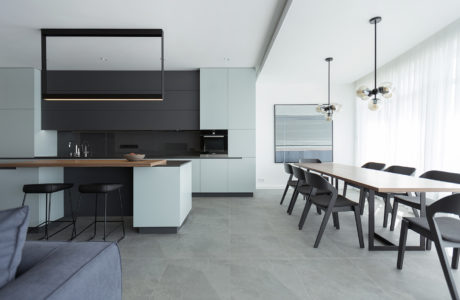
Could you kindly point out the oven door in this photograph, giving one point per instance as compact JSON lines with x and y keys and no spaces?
{"x":214,"y":144}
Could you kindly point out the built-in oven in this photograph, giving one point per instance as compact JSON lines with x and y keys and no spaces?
{"x":214,"y":141}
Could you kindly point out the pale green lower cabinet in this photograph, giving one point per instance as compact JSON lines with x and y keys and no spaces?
{"x":241,"y":175}
{"x":214,"y":177}
{"x":196,"y":175}
{"x":228,"y":175}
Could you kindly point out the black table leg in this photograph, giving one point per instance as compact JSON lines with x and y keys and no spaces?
{"x":371,"y":203}
{"x":388,"y":245}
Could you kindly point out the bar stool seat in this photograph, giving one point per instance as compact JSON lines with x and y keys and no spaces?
{"x":45,"y":188}
{"x":99,"y":188}
{"x":48,"y":189}
{"x":105,"y":189}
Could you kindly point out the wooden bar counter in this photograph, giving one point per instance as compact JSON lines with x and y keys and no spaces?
{"x":83,"y":163}
{"x":161,"y":189}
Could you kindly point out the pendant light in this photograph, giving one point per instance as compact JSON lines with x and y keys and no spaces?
{"x":328,"y":109}
{"x":385,"y":89}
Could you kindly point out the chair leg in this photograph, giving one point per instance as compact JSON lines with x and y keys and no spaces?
{"x":335,"y":220}
{"x":362,"y":201}
{"x":393,"y":215}
{"x":284,"y":193}
{"x":446,"y":270}
{"x":387,"y":210}
{"x":402,"y":243}
{"x":359,"y":226}
{"x":105,"y":214}
{"x":292,"y":203}
{"x":327,"y":215}
{"x":416,"y":214}
{"x":455,"y":259}
{"x":24,"y":199}
{"x":122,"y":215}
{"x":306,"y":209}
{"x":345,"y":189}
{"x":318,"y":210}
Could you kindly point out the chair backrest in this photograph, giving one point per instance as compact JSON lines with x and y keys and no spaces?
{"x":298,"y":173}
{"x":288,"y":168}
{"x":309,"y":160}
{"x":442,"y":176}
{"x":373,"y":166}
{"x":449,"y":204}
{"x":319,"y":183}
{"x":400,"y":170}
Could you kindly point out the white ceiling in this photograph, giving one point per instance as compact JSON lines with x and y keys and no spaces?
{"x":314,"y":30}
{"x":198,"y":33}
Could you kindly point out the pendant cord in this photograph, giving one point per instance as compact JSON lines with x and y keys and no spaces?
{"x":329,"y":83}
{"x":375,"y":60}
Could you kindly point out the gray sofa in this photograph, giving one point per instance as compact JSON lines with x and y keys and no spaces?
{"x":62,"y":270}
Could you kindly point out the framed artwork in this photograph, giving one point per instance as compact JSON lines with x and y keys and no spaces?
{"x":301,"y":132}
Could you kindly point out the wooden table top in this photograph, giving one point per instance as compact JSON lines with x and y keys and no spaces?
{"x":380,"y":181}
{"x":34,"y":163}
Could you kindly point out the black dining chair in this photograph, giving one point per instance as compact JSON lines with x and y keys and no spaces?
{"x":414,"y":201}
{"x":409,"y":171}
{"x":362,"y":199}
{"x":290,"y":183}
{"x":298,"y":172}
{"x":443,"y":231}
{"x":316,"y":161}
{"x":332,"y":203}
{"x":301,"y":185}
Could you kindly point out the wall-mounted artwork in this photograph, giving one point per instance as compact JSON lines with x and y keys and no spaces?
{"x":301,"y":132}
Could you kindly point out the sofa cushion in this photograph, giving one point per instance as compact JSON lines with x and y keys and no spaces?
{"x":13,"y":231}
{"x":35,"y":252}
{"x":68,"y":270}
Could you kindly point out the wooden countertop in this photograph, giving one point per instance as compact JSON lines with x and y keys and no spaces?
{"x":82,"y":163}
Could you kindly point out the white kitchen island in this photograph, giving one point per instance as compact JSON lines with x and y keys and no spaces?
{"x":162,"y":189}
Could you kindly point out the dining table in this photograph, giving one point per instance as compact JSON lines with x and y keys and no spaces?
{"x":374,"y":181}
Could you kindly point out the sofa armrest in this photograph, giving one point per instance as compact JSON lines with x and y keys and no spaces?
{"x":89,"y":270}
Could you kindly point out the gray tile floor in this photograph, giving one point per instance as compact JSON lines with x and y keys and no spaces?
{"x":249,"y":248}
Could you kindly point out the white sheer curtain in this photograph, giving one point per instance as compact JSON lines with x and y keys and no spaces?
{"x":420,"y":125}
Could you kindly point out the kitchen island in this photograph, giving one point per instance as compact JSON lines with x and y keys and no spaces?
{"x":162,"y":189}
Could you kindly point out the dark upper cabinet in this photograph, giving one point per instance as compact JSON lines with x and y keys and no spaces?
{"x":178,"y":111}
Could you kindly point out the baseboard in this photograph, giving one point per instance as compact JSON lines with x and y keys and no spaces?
{"x":222,"y":194}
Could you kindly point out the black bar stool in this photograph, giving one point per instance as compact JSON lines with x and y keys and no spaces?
{"x":105,"y":189}
{"x":48,"y":189}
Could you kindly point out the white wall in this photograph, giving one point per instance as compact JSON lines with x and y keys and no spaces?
{"x":271,"y":175}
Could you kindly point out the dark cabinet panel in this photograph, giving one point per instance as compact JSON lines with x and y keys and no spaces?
{"x":122,"y":81}
{"x":178,"y":111}
{"x":120,"y":120}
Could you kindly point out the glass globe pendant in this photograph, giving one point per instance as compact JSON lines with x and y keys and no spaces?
{"x":385,"y":89}
{"x":328,"y":109}
{"x":374,"y":104}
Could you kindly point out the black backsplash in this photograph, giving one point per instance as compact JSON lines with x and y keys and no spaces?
{"x":115,"y":144}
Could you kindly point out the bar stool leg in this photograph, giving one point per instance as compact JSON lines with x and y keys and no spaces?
{"x":95,"y":218}
{"x":122,"y":215}
{"x":47,"y":215}
{"x":24,"y":199}
{"x":74,"y":230}
{"x":105,"y":214}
